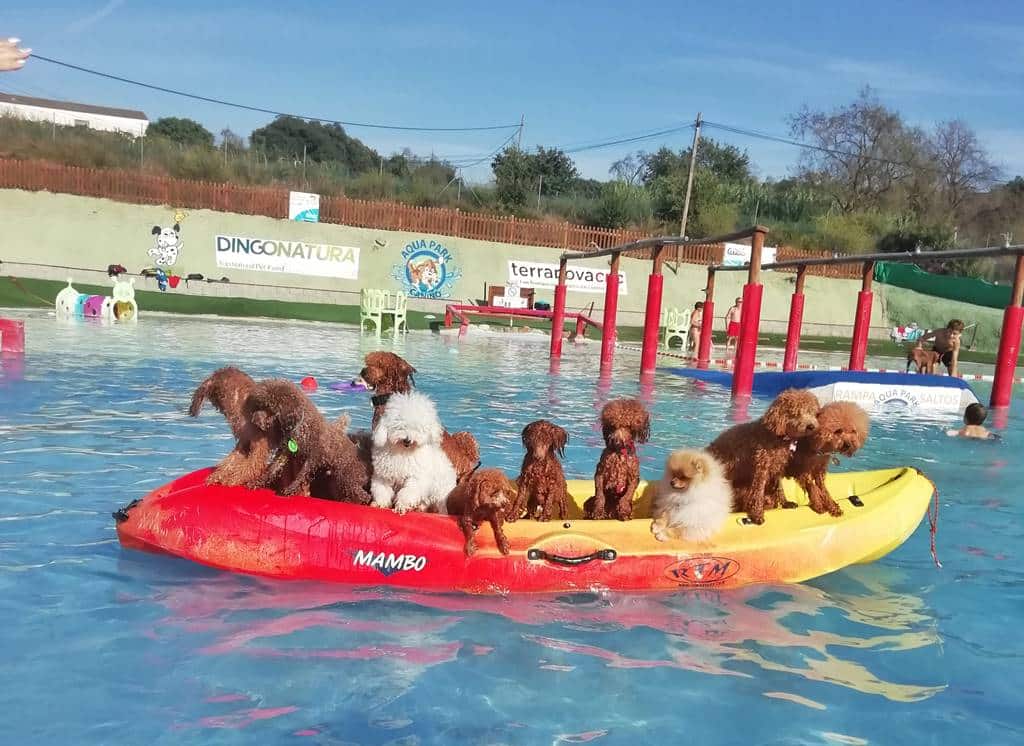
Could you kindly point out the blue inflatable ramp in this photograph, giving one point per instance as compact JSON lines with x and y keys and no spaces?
{"x":871,"y":390}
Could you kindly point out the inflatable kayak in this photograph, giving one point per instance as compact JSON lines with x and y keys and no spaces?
{"x":304,"y":538}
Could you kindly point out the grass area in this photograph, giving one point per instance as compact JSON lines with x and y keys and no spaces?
{"x":32,"y":293}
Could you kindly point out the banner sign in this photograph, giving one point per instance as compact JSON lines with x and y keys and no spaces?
{"x":292,"y":257}
{"x":577,"y":278}
{"x":304,"y":207}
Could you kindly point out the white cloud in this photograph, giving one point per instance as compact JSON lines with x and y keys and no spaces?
{"x":82,"y":24}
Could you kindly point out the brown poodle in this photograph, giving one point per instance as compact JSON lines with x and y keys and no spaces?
{"x":843,"y":427}
{"x":227,"y":389}
{"x":386,"y":373}
{"x":624,"y":423}
{"x":542,"y":488}
{"x":924,"y":360}
{"x":308,"y":451}
{"x":755,"y":454}
{"x":486,"y":495}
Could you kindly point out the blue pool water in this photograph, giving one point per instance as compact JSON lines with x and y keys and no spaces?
{"x":102,"y":645}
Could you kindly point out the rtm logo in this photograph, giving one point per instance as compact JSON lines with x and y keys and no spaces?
{"x":702,"y":570}
{"x":388,"y":564}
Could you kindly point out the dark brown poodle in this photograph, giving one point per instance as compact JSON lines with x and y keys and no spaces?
{"x":624,"y":423}
{"x":755,"y":454}
{"x":226,"y":389}
{"x":542,"y":488}
{"x":308,"y":451}
{"x":386,"y":373}
{"x":486,"y":495}
{"x":924,"y":360}
{"x":843,"y":427}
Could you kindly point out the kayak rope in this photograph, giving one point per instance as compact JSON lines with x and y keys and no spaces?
{"x":933,"y":522}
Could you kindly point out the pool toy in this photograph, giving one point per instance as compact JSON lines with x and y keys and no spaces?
{"x":304,"y":538}
{"x":12,"y":337}
{"x":119,"y":306}
{"x":346,"y":386}
{"x":875,"y":391}
{"x":309,"y":383}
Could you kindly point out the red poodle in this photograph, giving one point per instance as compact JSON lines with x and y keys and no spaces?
{"x":624,"y":423}
{"x":542,"y":488}
{"x":843,"y":427}
{"x":755,"y":455}
{"x":486,"y":495}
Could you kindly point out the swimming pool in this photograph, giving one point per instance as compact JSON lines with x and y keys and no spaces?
{"x":102,"y":645}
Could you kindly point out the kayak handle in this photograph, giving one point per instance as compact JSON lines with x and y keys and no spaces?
{"x":601,"y":554}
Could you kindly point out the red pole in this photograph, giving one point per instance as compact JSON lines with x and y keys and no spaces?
{"x":707,"y":321}
{"x":12,"y":337}
{"x":862,"y":321}
{"x":750,"y":320}
{"x":558,"y":314}
{"x":611,"y":307}
{"x":447,"y":316}
{"x":796,"y":317}
{"x":1009,"y":342}
{"x":652,"y":315}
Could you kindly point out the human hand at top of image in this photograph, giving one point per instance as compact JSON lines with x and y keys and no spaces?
{"x":12,"y":57}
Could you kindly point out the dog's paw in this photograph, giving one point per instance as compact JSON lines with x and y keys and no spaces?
{"x":757,"y":520}
{"x":789,"y":505}
{"x":835,"y":510}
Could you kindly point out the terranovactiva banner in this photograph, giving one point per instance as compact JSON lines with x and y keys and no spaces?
{"x":577,"y":278}
{"x":293,"y":257}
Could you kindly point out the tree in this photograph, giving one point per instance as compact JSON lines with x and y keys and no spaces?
{"x":860,"y":151}
{"x":518,"y":174}
{"x":290,"y":137}
{"x":557,"y":169}
{"x":963,"y":165}
{"x":230,"y":140}
{"x":513,"y":170}
{"x":628,"y":169}
{"x":183,"y":131}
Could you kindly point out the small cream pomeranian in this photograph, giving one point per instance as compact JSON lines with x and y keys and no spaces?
{"x":693,"y":499}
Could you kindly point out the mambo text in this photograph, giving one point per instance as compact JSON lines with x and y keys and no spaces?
{"x":580,"y":279}
{"x":415,"y":247}
{"x":290,"y":249}
{"x":292,"y":257}
{"x":388,"y":563}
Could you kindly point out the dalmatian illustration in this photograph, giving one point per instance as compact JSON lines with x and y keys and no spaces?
{"x":168,"y":245}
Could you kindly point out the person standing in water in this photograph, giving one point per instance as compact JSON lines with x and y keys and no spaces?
{"x":946,"y":342}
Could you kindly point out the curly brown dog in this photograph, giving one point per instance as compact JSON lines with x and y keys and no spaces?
{"x":307,"y":450}
{"x":924,"y":360}
{"x":843,"y":427}
{"x":226,"y":389}
{"x":386,"y":373}
{"x":755,"y":454}
{"x":542,"y":488}
{"x":624,"y":423}
{"x":486,"y":495}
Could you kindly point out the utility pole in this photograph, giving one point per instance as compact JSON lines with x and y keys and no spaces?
{"x":142,"y":153}
{"x":303,"y":165}
{"x":540,"y":185}
{"x":689,"y":180}
{"x":522,"y":123}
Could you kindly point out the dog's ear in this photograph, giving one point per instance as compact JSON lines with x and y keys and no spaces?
{"x":156,"y":230}
{"x":561,"y":439}
{"x":644,"y":430}
{"x":525,"y":436}
{"x":380,"y":436}
{"x":699,"y":465}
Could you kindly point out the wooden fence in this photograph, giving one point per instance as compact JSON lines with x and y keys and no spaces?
{"x":148,"y":189}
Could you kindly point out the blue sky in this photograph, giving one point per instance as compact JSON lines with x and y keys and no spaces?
{"x":578,"y":72}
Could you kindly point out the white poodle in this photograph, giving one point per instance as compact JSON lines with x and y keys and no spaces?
{"x":410,"y":471}
{"x":693,"y":500}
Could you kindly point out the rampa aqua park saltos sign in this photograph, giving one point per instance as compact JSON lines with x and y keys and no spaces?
{"x":428,"y":269}
{"x":292,"y":257}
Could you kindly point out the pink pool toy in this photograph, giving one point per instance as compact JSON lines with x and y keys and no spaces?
{"x":94,"y":307}
{"x":12,"y":337}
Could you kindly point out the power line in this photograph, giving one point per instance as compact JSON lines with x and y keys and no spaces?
{"x":261,"y":110}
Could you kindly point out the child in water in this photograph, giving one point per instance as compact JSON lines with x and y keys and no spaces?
{"x":974,"y":417}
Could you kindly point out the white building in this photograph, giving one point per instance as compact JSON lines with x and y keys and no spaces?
{"x":70,"y":114}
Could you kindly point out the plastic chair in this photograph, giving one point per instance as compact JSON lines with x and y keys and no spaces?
{"x":371,"y":308}
{"x":677,"y":326}
{"x":398,"y":310}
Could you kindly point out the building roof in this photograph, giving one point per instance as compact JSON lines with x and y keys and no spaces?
{"x":46,"y":103}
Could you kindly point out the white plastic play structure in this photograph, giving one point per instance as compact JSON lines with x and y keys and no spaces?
{"x":120,"y":306}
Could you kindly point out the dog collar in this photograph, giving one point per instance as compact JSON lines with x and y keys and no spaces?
{"x":627,"y":450}
{"x":379,"y":400}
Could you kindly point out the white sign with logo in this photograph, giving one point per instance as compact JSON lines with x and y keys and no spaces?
{"x":886,"y":396}
{"x":292,"y":257}
{"x":304,"y":207}
{"x":738,"y":254}
{"x":577,"y":278}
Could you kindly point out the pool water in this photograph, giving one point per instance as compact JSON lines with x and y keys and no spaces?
{"x":101,"y":645}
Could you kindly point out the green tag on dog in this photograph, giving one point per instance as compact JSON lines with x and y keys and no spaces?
{"x":293,"y":446}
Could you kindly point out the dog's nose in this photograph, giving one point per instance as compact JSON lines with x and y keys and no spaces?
{"x":811,"y":427}
{"x":406,"y":442}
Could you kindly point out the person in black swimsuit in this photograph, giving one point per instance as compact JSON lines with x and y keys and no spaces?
{"x":946,"y":342}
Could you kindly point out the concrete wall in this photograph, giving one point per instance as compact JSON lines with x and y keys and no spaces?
{"x":41,"y":231}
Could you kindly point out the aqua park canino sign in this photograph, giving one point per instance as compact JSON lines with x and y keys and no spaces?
{"x":427,"y":270}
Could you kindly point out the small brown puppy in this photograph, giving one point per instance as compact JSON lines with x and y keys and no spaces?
{"x":624,"y":423}
{"x":924,"y":360}
{"x":843,"y":427}
{"x":542,"y":489}
{"x":486,"y":495}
